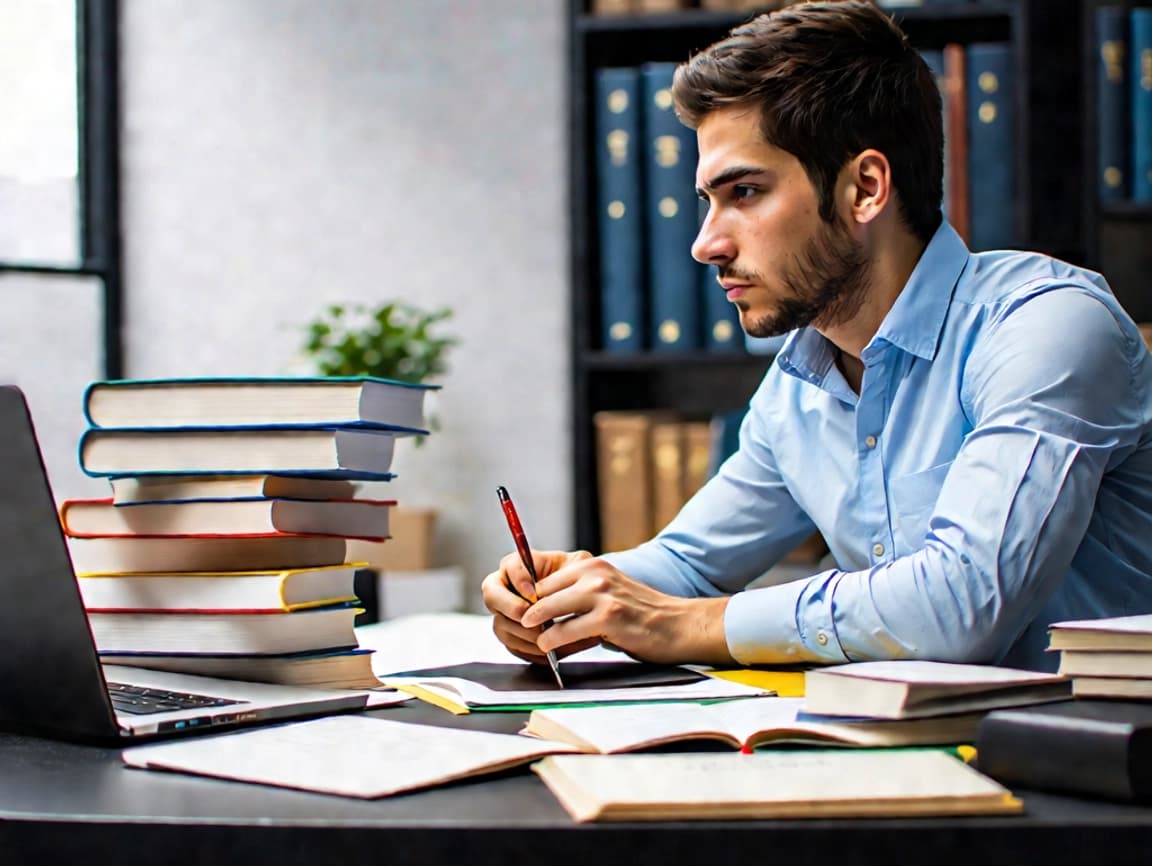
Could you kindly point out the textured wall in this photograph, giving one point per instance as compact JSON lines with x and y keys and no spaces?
{"x":278,"y":156}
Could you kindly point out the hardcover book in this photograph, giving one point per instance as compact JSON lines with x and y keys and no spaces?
{"x":1094,"y":748}
{"x":257,"y":402}
{"x":671,"y":216}
{"x":1140,"y":75}
{"x":815,"y":784}
{"x":620,"y":217}
{"x":918,"y":689}
{"x":284,"y":590}
{"x":332,"y":452}
{"x":1112,"y":102}
{"x":182,"y":488}
{"x":991,"y":93}
{"x":204,"y":553}
{"x":351,"y":518}
{"x":224,"y":632}
{"x":1114,"y":633}
{"x":340,"y":669}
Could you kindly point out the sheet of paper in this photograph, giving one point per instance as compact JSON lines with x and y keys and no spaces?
{"x":353,"y":756}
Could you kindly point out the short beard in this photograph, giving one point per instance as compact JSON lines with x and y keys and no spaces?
{"x":826,"y":287}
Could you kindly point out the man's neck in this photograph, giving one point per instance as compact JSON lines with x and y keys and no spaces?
{"x":889,"y":270}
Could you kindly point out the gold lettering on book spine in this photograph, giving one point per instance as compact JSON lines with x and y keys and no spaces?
{"x":617,"y":142}
{"x":1112,"y":53}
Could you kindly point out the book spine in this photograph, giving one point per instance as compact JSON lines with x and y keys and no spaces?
{"x":668,"y":472}
{"x":1141,"y":80}
{"x":991,"y":146}
{"x":1055,"y":754}
{"x":619,"y":218}
{"x":671,"y":211}
{"x":1111,"y":102}
{"x":956,"y":138}
{"x":934,"y":58}
{"x":722,"y":330}
{"x":624,"y":478}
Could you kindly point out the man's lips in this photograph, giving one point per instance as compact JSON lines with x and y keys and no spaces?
{"x":734,"y":290}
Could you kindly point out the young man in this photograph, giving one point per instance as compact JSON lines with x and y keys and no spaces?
{"x":972,"y":433}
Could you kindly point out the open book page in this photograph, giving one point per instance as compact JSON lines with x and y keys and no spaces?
{"x":845,"y":783}
{"x":353,"y":756}
{"x":624,"y":728}
{"x":468,"y":694}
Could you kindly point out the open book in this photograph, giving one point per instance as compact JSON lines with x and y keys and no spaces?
{"x":741,"y":724}
{"x":909,"y":689}
{"x":351,"y":756}
{"x":818,"y":784}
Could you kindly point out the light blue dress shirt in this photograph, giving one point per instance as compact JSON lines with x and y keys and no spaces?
{"x":993,"y":476}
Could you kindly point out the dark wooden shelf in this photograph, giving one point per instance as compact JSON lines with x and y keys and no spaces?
{"x":1127,"y":210}
{"x":613,"y":362}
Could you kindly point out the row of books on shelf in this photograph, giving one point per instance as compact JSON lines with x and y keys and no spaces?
{"x":1123,"y":79}
{"x":223,"y":547}
{"x":654,"y":296}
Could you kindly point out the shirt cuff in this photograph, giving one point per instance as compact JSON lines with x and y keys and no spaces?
{"x":785,"y":624}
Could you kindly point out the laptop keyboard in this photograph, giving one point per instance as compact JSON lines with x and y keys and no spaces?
{"x":139,"y":700}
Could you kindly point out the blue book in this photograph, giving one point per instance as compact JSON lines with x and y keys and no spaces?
{"x":1141,"y":67}
{"x":1112,"y":104}
{"x":258,"y":401}
{"x":671,"y":216}
{"x":619,"y":215}
{"x":722,"y":330}
{"x":991,"y":116}
{"x":935,"y":59}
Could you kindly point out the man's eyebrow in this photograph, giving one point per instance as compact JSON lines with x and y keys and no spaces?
{"x":729,"y":175}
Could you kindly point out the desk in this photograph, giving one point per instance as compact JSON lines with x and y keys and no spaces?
{"x":65,"y":803}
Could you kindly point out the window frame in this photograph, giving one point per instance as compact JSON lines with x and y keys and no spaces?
{"x":98,"y":171}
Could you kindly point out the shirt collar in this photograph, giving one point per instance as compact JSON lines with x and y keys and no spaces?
{"x":913,"y":324}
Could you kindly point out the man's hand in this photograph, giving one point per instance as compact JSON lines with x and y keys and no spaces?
{"x":590,"y":601}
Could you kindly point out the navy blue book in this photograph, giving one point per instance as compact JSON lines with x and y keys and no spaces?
{"x":991,"y":146}
{"x":619,"y":216}
{"x":1112,"y":104}
{"x":934,"y":57}
{"x":671,"y":211}
{"x":1141,"y":68}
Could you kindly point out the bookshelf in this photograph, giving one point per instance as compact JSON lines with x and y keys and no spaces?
{"x":1117,"y":234}
{"x":1048,"y":213}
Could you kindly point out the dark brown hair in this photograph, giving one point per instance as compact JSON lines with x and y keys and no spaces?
{"x":831,"y":79}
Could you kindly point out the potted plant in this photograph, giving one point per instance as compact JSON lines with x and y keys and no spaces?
{"x":393,"y":340}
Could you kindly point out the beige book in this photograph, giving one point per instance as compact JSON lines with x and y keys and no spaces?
{"x":809,"y":784}
{"x":1111,"y":687}
{"x":1115,"y":633}
{"x":625,"y":476}
{"x":740,"y":724}
{"x":653,"y":6}
{"x":1103,"y":663}
{"x":668,"y":457}
{"x":351,"y":756}
{"x":908,"y":689}
{"x":697,"y":455}
{"x":612,"y":7}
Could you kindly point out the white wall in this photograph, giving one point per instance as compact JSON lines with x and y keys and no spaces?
{"x":279,"y":155}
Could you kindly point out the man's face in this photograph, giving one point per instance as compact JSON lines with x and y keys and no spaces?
{"x":779,"y":262}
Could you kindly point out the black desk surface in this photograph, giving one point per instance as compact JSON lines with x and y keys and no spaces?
{"x":66,"y":803}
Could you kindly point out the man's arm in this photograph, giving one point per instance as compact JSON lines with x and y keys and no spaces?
{"x":1050,"y":415}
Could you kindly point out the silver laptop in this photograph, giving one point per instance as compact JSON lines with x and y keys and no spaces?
{"x":51,"y":679}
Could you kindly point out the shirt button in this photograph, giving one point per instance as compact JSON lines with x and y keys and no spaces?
{"x":821,"y":638}
{"x":870,"y":441}
{"x":878,"y":549}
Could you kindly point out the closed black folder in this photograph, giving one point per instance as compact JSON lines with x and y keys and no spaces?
{"x":1088,"y":747}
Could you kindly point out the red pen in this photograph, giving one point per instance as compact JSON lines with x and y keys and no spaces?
{"x":525,"y":552}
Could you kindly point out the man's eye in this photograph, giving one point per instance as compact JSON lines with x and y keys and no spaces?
{"x":742,"y":190}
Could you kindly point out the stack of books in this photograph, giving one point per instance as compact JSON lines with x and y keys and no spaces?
{"x":1106,"y":658}
{"x":222,"y":549}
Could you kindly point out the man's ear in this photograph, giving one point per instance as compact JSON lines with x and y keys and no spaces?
{"x":867,"y":185}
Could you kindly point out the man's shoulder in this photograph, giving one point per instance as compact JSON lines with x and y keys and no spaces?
{"x":1005,"y":276}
